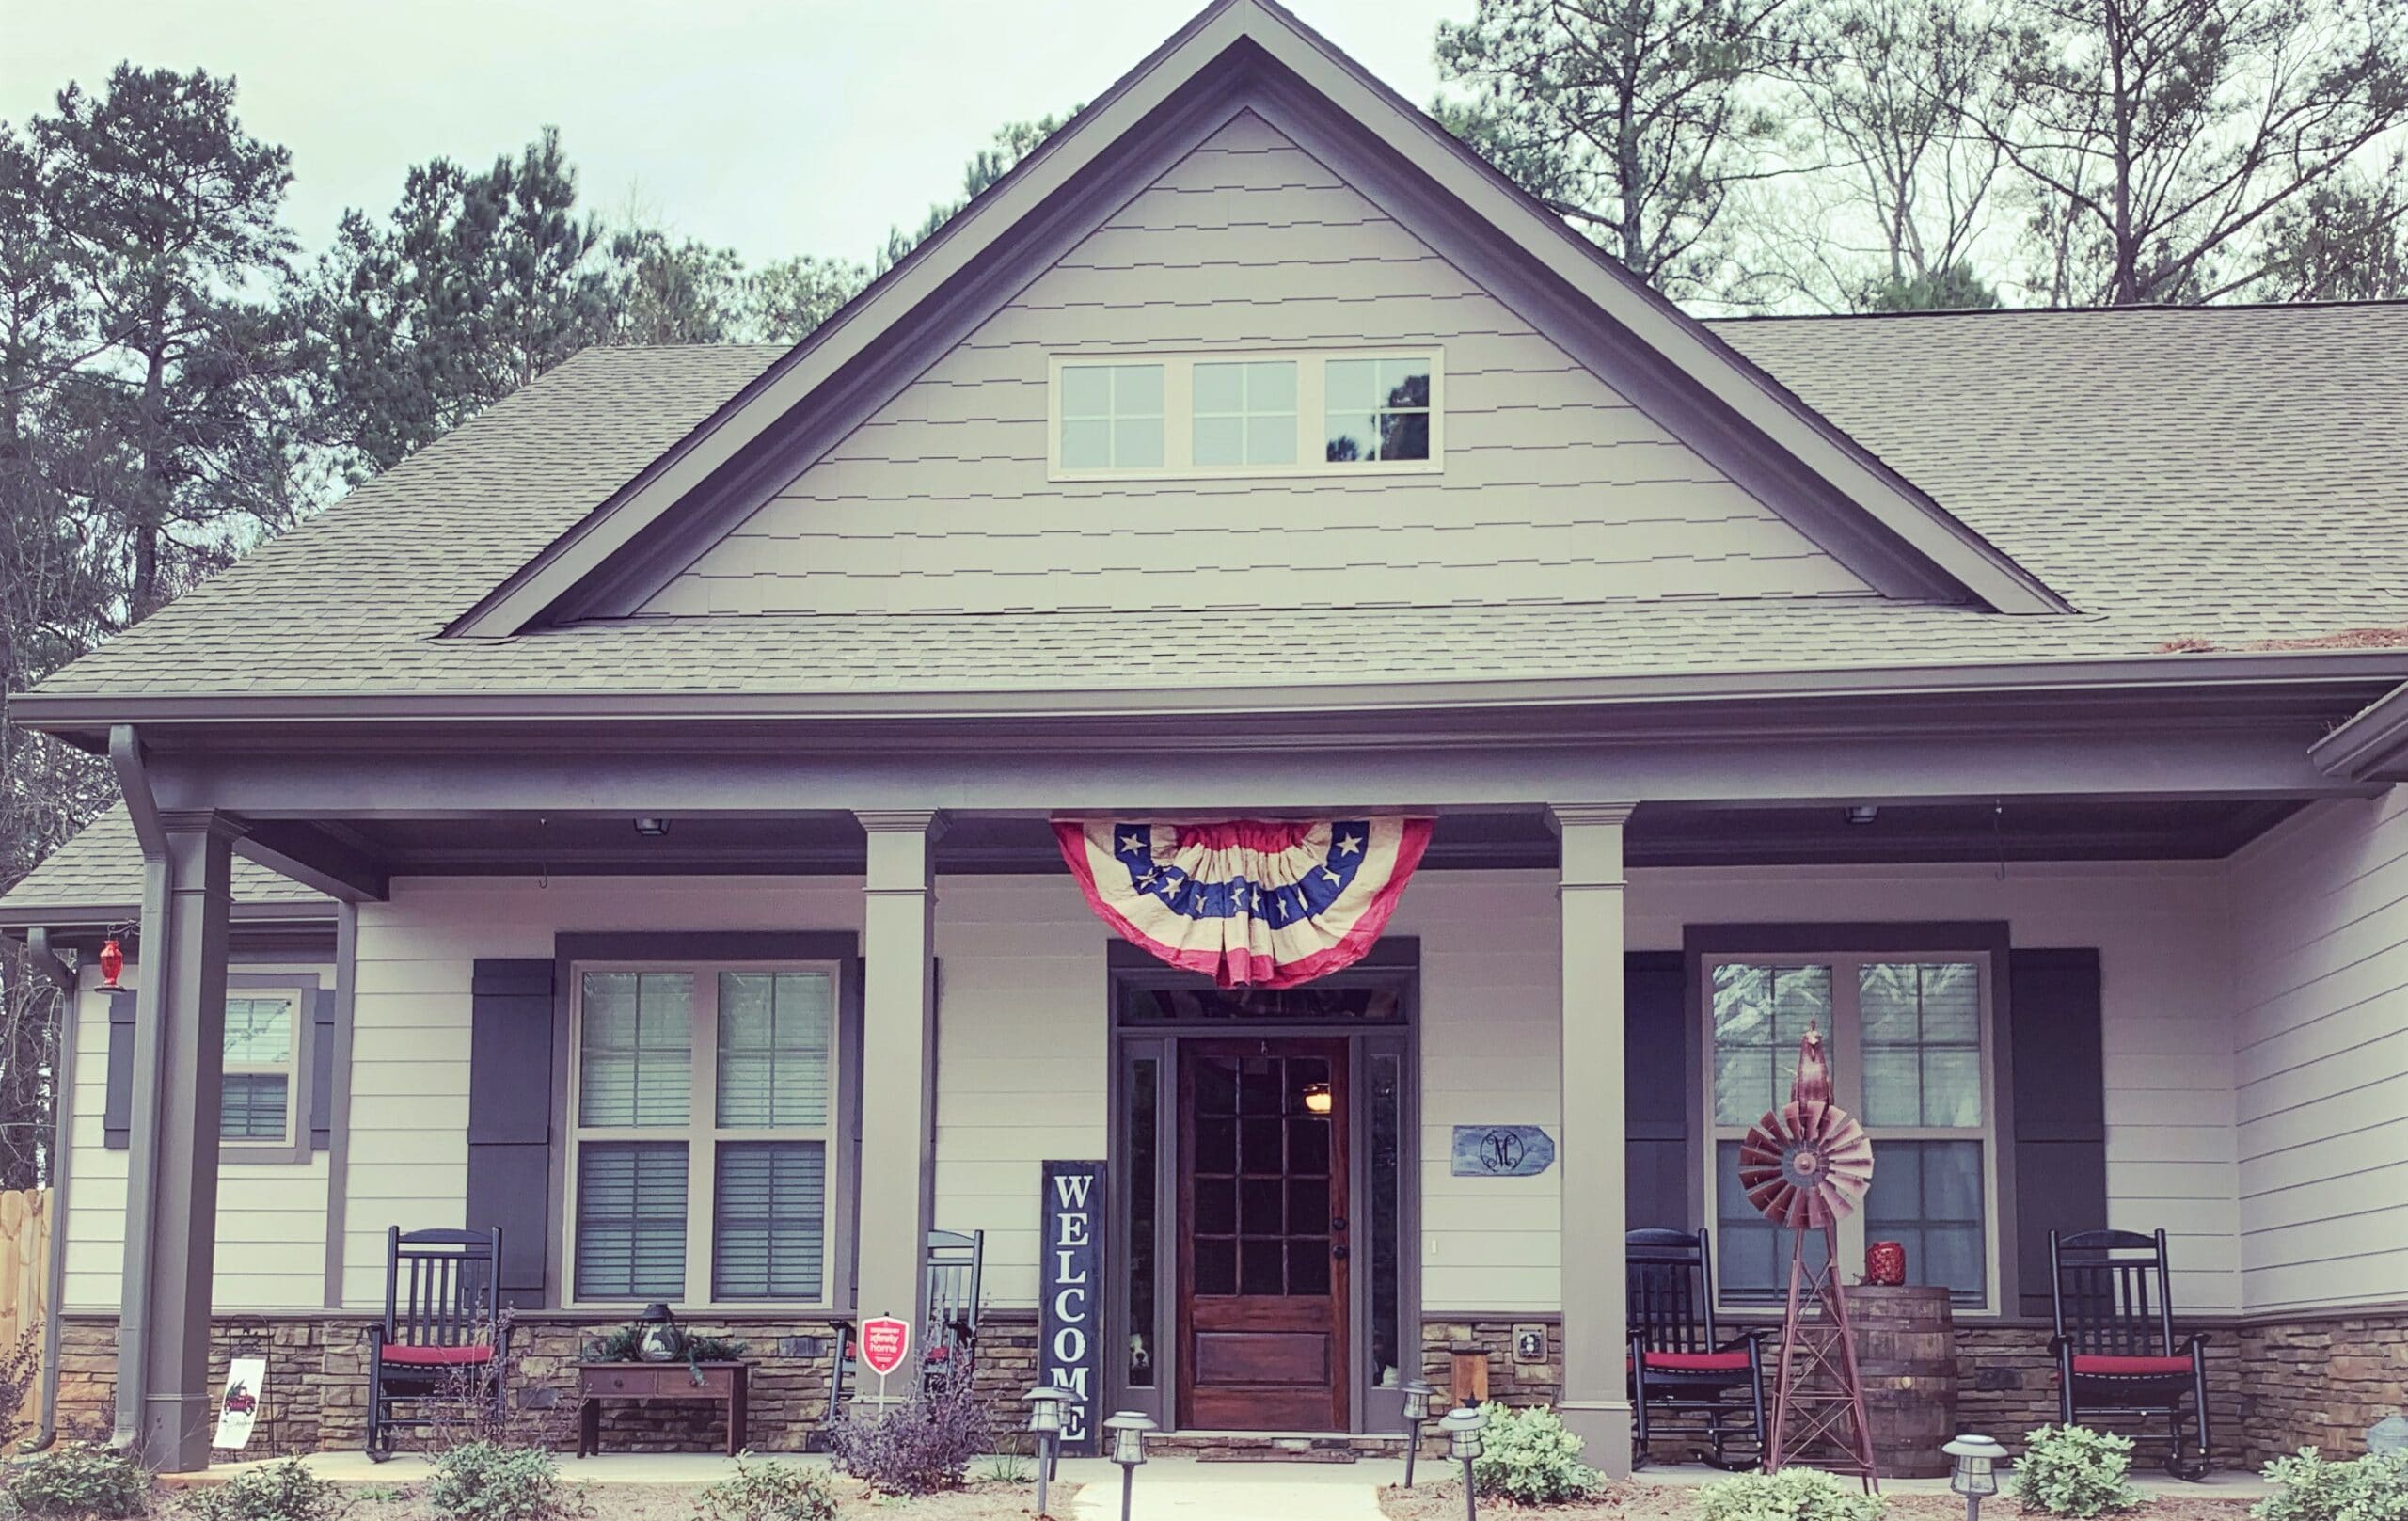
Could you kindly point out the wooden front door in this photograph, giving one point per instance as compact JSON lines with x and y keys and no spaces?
{"x":1262,"y":1253}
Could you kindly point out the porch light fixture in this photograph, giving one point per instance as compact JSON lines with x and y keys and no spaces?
{"x":1976,"y":1471}
{"x":1125,"y":1445}
{"x":1417,"y":1411}
{"x":1463,"y":1427}
{"x":1045,"y":1403}
{"x":651,"y":828}
{"x":112,"y":963}
{"x":1863,"y":813}
{"x":1317,"y":1100}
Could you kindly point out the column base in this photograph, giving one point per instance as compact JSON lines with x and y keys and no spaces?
{"x":176,"y":1429}
{"x":1604,"y":1428}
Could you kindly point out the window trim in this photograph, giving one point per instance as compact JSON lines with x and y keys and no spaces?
{"x":1178,"y":414}
{"x":702,"y":1135}
{"x":295,"y":1147}
{"x":1853,"y":946}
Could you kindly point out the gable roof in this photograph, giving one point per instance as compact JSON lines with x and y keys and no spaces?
{"x":1860,"y":510}
{"x":2228,"y":474}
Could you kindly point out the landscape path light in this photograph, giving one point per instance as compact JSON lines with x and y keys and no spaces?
{"x":1417,"y":1411}
{"x":1045,"y":1403}
{"x":1463,"y":1427}
{"x":1976,"y":1471}
{"x":1125,"y":1438}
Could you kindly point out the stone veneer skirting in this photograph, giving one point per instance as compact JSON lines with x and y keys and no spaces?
{"x":2273,"y":1385}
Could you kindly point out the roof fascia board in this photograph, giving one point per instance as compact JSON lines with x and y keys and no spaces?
{"x":81,"y":714}
{"x":2372,"y":746}
{"x":955,"y":254}
{"x":1717,"y":368}
{"x":1607,"y":348}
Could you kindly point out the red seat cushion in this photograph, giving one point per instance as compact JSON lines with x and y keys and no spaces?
{"x":2103,"y":1366}
{"x":1696,"y":1362}
{"x":436,"y":1356}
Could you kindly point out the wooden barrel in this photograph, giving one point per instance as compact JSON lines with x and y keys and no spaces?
{"x":1906,"y":1356}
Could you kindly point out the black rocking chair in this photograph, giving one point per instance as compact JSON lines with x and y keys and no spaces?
{"x":949,"y":1322}
{"x":442,"y":1339}
{"x":2115,"y":1343}
{"x":1680,"y":1368}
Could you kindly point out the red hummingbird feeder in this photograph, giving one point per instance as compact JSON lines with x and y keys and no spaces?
{"x":112,"y":963}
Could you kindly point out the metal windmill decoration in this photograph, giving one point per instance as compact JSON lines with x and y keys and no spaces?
{"x":1805,"y":1166}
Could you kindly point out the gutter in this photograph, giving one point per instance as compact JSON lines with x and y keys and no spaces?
{"x":63,"y":1150}
{"x":142,"y":1156}
{"x":2372,"y":746}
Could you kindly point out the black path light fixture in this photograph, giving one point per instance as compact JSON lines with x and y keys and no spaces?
{"x":1125,"y":1439}
{"x":1045,"y":1403}
{"x":1976,"y":1471}
{"x":1416,"y":1412}
{"x":1465,"y":1444}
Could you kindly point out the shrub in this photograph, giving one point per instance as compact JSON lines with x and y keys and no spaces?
{"x":1791,"y":1494}
{"x":2309,"y":1488}
{"x":78,"y":1480}
{"x":759,"y":1491}
{"x":286,"y":1491}
{"x":2075,"y":1471}
{"x":1527,"y":1457}
{"x":489,"y":1481}
{"x":925,"y":1443}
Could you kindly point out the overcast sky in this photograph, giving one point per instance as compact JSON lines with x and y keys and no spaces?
{"x":806,"y":127}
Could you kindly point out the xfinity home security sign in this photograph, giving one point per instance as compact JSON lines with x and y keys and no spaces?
{"x":1070,"y":1316}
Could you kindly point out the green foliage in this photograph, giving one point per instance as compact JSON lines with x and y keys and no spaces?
{"x":2074,"y":1471}
{"x":80,"y":1481}
{"x":1527,"y":1457}
{"x":1957,"y":287}
{"x":763,"y":1491}
{"x":2311,"y":1488}
{"x":1791,"y":1494}
{"x":489,"y":1481}
{"x":625,"y":1344}
{"x":286,"y":1491}
{"x":1007,"y":1469}
{"x":1012,"y":142}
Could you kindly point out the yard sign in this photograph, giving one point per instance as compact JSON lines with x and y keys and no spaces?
{"x":1069,"y":1318}
{"x":885,"y":1342}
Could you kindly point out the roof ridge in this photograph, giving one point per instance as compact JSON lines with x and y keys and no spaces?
{"x":2222,"y":306}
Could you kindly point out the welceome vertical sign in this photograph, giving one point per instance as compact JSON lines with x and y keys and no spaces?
{"x":1071,"y":1310}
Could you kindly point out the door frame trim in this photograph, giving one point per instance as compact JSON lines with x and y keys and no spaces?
{"x":1395,"y":962}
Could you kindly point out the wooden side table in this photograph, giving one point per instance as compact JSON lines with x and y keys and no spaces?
{"x":727,"y":1383}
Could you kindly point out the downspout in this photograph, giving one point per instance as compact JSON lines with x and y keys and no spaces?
{"x":142,"y":1153}
{"x":62,"y":1088}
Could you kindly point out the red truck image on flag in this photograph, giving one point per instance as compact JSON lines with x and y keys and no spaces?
{"x":1249,"y":902}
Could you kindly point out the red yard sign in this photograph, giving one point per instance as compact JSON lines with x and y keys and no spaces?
{"x":885,"y":1342}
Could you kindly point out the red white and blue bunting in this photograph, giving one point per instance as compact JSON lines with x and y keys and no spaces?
{"x":1249,"y":902}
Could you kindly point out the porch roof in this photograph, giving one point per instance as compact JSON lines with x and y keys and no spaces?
{"x":2196,"y":475}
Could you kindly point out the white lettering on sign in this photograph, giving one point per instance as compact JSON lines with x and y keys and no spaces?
{"x":1071,"y":1195}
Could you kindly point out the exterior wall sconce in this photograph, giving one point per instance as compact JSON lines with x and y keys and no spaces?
{"x":1463,"y":1427}
{"x":1416,"y":1412}
{"x":1976,"y":1471}
{"x":1045,"y":1403}
{"x":1125,"y":1442}
{"x":1318,"y":1099}
{"x":652,"y":828}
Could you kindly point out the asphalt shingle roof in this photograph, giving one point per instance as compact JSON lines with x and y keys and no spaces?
{"x":102,"y":868}
{"x":2235,"y":474}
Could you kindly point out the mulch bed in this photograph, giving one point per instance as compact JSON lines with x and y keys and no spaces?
{"x":1678,"y":1502}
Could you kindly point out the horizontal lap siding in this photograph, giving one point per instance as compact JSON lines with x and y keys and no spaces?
{"x":2320,"y":916}
{"x":1554,"y":487}
{"x":270,"y":1216}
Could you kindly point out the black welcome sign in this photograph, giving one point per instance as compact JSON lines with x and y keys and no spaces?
{"x":1070,"y":1319}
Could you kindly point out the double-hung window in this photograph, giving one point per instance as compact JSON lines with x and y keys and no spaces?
{"x":703,"y":1156}
{"x":1911,"y":1042}
{"x":260,"y":1090}
{"x":1123,"y":416}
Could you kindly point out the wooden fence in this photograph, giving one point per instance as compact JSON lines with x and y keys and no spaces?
{"x":24,"y":1276}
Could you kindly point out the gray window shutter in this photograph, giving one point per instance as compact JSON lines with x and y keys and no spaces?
{"x":1655,"y":1087}
{"x":2058,"y":1107}
{"x":117,"y":1116}
{"x":321,"y":1070}
{"x":510,"y":1117}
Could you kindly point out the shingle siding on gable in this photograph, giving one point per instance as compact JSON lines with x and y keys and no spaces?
{"x":1554,"y":487}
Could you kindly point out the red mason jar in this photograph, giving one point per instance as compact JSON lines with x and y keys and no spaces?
{"x":1885,"y":1264}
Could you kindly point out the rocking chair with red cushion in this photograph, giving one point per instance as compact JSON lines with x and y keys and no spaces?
{"x":2114,"y":1343}
{"x":1680,"y":1368}
{"x":443,"y":1341}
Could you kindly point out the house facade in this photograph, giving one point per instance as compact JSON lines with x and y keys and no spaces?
{"x":629,"y":822}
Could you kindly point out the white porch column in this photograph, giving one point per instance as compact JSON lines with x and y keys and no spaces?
{"x":898,"y":1075}
{"x":1597,"y":1403}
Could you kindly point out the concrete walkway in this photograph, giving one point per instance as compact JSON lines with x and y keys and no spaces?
{"x":1185,"y":1489}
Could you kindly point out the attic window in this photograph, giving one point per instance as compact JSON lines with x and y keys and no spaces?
{"x":1191,"y":416}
